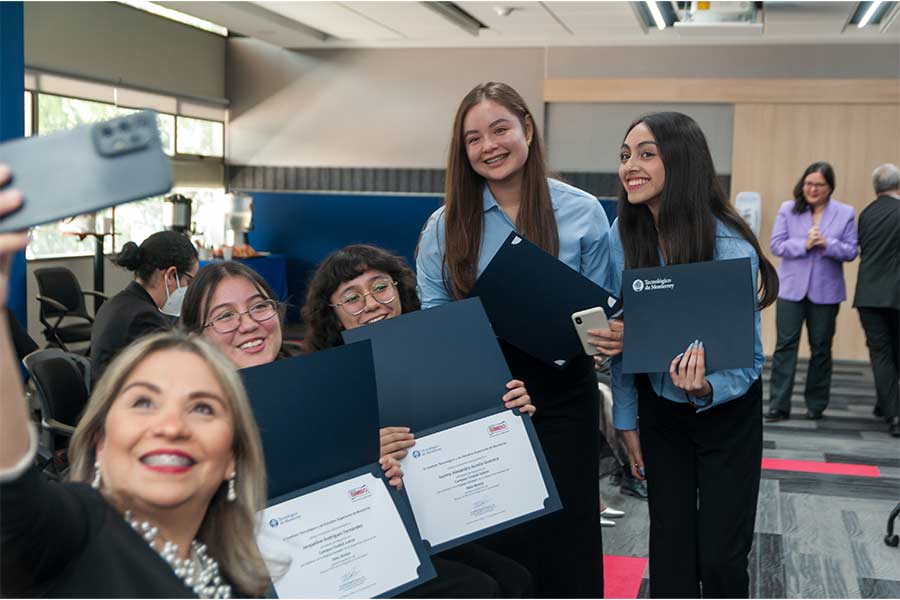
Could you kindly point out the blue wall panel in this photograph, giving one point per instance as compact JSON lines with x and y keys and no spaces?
{"x":307,"y":227}
{"x":12,"y":119}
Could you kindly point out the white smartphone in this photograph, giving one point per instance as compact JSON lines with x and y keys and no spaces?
{"x":592,"y":318}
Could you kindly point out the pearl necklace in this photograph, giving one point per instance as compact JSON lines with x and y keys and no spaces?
{"x":205,"y":581}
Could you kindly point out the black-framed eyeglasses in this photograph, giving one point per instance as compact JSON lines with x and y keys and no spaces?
{"x":230,"y":320}
{"x":382,"y":290}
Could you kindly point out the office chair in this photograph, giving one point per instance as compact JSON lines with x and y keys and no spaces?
{"x":62,"y":384}
{"x":61,"y":296}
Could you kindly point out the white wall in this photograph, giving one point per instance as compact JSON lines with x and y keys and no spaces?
{"x":586,"y":137}
{"x":361,"y":108}
{"x":113,"y":41}
{"x":394,"y":108}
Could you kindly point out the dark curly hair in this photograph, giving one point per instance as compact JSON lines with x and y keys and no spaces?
{"x":323,"y":329}
{"x":205,"y":284}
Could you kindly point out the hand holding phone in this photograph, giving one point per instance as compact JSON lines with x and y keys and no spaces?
{"x":592,"y":318}
{"x":85,"y":169}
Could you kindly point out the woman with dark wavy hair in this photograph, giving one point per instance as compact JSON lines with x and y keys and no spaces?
{"x":323,"y":323}
{"x":362,"y":284}
{"x":700,"y":442}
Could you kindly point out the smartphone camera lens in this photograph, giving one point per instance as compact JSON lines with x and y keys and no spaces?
{"x":578,"y":320}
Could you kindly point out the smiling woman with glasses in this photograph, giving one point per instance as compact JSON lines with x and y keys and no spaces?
{"x":361,"y":284}
{"x":232,"y":306}
{"x":382,"y":289}
{"x":227,"y":320}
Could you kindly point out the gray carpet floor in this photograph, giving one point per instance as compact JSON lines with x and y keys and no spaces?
{"x":816,"y":535}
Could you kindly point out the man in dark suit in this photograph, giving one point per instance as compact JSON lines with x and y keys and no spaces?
{"x":878,"y":290}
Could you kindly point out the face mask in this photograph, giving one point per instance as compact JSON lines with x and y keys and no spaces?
{"x":174,"y":300}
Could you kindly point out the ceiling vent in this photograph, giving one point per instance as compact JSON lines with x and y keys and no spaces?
{"x":720,"y":18}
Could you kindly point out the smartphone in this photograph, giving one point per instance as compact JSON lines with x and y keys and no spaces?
{"x":85,"y":169}
{"x":592,"y":318}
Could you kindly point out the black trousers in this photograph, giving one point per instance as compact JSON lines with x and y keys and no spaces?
{"x":474,"y":571}
{"x":563,"y":550}
{"x":455,"y":580}
{"x":703,"y":473}
{"x":882,"y":327}
{"x":789,"y":319}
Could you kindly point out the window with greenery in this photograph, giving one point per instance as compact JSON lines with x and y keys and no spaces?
{"x":199,"y":136}
{"x":135,"y":220}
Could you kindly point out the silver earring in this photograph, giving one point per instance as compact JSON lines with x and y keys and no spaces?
{"x":96,"y":482}
{"x":232,"y":494}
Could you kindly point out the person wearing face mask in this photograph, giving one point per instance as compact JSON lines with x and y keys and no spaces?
{"x":164,"y":265}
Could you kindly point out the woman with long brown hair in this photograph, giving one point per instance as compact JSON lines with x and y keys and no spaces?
{"x":696,"y":436}
{"x":497,"y":182}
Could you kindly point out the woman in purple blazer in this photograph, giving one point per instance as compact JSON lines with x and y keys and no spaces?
{"x":813,"y":234}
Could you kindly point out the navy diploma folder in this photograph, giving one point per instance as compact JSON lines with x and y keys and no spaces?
{"x":434,"y":366}
{"x":318,"y":419}
{"x":530,"y":296}
{"x":667,"y":308}
{"x":440,"y":368}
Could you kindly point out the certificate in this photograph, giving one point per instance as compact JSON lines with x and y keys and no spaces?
{"x":343,"y":540}
{"x":477,"y":477}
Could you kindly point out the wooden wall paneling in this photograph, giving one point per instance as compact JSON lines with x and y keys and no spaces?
{"x":773,"y":144}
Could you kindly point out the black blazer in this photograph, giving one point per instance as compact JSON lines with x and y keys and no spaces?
{"x":878,"y":282}
{"x":65,"y":541}
{"x":125,"y":317}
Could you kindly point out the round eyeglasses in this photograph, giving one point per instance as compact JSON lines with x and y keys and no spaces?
{"x":230,"y":320}
{"x":353,"y":302}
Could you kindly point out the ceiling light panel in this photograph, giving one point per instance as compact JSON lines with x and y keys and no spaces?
{"x":250,"y":19}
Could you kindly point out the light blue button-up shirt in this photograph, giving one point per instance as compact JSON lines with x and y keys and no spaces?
{"x":583,"y":240}
{"x":726,"y":384}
